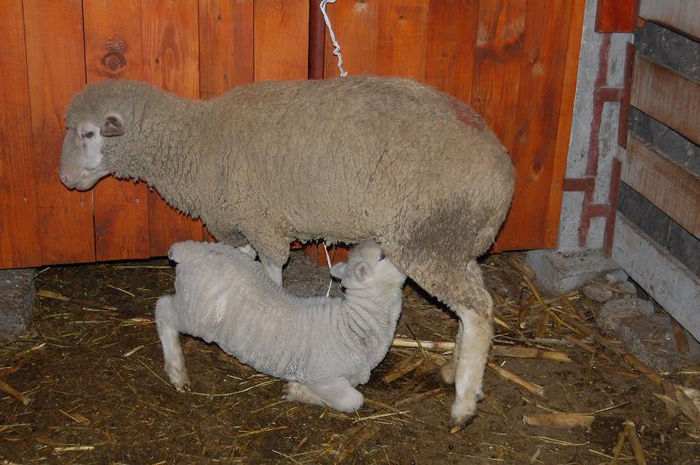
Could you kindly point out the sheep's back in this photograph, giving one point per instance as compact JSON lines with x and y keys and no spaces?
{"x":358,"y":158}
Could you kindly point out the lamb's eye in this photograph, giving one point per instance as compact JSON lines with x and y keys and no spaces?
{"x":381,"y":256}
{"x":87,"y":134}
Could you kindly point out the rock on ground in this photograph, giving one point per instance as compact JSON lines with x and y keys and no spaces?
{"x":16,"y":300}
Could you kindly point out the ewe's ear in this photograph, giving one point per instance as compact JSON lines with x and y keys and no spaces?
{"x":363,"y":272}
{"x":339,"y":270}
{"x":112,"y":126}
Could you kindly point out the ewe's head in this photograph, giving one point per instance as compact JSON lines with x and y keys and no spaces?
{"x":367,"y":266}
{"x":94,"y":116}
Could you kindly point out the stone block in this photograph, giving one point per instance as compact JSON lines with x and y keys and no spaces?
{"x":16,"y":300}
{"x":559,"y":272}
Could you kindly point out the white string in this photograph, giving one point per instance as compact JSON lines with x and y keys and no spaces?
{"x":343,"y":73}
{"x":328,"y":261}
{"x":336,"y":45}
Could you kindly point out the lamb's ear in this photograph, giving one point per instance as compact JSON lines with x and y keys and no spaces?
{"x":363,"y":272}
{"x":112,"y":126}
{"x":339,"y":270}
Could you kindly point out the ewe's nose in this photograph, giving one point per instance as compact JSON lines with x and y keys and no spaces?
{"x":64,"y":179}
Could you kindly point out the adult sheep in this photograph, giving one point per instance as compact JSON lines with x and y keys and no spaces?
{"x":352,"y":159}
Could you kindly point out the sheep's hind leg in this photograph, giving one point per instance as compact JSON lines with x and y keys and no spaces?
{"x":466,"y":295}
{"x":337,"y":394}
{"x":166,"y":324}
{"x":471,"y":350}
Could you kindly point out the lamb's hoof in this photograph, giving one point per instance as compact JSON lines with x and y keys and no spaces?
{"x":183,"y":387}
{"x":293,"y":391}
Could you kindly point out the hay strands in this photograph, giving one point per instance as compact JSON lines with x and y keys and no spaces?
{"x":629,"y":431}
{"x":559,"y":420}
{"x":512,"y":377}
{"x":499,"y":350}
{"x":6,"y":388}
{"x":683,"y":399}
{"x":49,"y":294}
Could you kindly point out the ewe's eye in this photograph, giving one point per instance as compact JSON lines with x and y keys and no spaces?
{"x":87,"y":134}
{"x":381,"y":256}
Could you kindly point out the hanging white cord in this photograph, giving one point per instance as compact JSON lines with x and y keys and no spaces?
{"x":328,"y":261}
{"x":336,"y":45}
{"x":343,"y":73}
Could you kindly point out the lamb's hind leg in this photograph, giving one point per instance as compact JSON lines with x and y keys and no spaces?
{"x":167,"y":326}
{"x":337,"y":394}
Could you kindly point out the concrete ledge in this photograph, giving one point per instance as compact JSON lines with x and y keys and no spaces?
{"x":667,"y":280}
{"x":559,"y":272}
{"x":16,"y":300}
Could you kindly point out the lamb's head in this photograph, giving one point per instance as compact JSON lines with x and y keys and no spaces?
{"x":95,"y":118}
{"x":367,"y":266}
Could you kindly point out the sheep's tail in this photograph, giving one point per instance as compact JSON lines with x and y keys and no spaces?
{"x":186,"y":250}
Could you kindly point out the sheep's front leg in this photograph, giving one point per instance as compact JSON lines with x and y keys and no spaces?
{"x":337,"y":394}
{"x":166,"y":324}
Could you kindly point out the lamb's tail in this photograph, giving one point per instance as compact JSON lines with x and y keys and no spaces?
{"x":186,"y":250}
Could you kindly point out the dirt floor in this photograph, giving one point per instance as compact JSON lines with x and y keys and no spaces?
{"x":91,"y":386}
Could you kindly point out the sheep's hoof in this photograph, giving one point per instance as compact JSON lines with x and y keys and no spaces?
{"x":465,"y":420}
{"x":462,"y":413}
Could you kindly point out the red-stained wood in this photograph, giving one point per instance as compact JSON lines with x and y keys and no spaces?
{"x":226,"y":52}
{"x":19,"y":232}
{"x":616,"y":16}
{"x":566,"y":113}
{"x":402,"y":38}
{"x":113,"y":50}
{"x":281,"y":39}
{"x":355,"y":23}
{"x":170,"y":36}
{"x":452,"y":28}
{"x":56,"y":70}
{"x":537,"y":116}
{"x":317,"y":42}
{"x":499,"y":49}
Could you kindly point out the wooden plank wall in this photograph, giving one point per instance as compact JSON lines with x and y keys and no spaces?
{"x":673,"y":99}
{"x":19,"y":229}
{"x":680,"y":15}
{"x":514,"y":60}
{"x":113,"y":49}
{"x":508,"y":59}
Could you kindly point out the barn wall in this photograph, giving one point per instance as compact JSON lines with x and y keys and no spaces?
{"x":514,"y":60}
{"x":658,"y":226}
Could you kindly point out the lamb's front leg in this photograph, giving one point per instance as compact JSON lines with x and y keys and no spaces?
{"x":336,"y":393}
{"x":272,"y":269}
{"x":166,"y":324}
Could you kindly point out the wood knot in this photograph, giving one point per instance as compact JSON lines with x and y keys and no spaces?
{"x":114,"y":61}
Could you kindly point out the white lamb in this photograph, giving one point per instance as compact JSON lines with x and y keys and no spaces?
{"x":323,"y":346}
